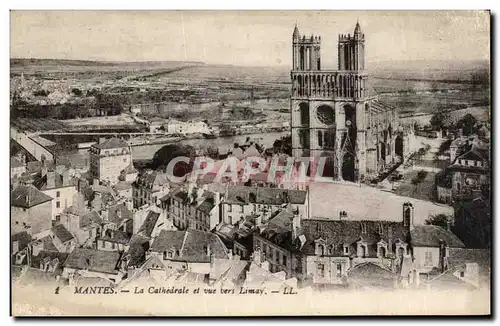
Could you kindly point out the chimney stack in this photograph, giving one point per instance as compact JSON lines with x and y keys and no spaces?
{"x":65,"y":177}
{"x":51,"y":179}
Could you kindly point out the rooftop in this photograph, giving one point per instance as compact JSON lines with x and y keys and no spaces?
{"x":27,"y":196}
{"x":62,"y":233}
{"x":149,"y":223}
{"x":431,"y":235}
{"x":242,"y":195}
{"x":111,"y":143}
{"x":93,"y":260}
{"x":193,"y":245}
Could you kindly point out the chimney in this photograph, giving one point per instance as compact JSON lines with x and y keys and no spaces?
{"x":104,"y":215}
{"x":60,"y":168}
{"x":408,"y":212}
{"x":389,"y":238}
{"x":208,"y":250}
{"x":65,"y":177}
{"x":443,"y":262}
{"x":51,"y":179}
{"x":296,"y":226}
{"x":257,"y":258}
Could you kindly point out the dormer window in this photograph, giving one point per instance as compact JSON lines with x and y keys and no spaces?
{"x":320,"y":247}
{"x":346,"y":249}
{"x":362,"y":249}
{"x":331,"y":250}
{"x":381,"y":249}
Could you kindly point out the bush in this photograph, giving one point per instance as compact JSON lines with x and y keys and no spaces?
{"x":421,"y":175}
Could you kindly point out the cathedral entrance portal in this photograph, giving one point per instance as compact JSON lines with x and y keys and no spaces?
{"x":348,"y":167}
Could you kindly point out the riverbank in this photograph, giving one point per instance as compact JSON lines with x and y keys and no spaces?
{"x":143,"y":153}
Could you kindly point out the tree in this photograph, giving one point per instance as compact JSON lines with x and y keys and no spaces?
{"x":438,"y":120}
{"x":441,"y":220}
{"x":467,"y":123}
{"x":167,"y":153}
{"x":283,"y":145}
{"x":76,"y":91}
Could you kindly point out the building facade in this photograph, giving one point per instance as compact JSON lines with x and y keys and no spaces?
{"x":31,"y":210}
{"x":335,"y":115}
{"x":109,"y":158}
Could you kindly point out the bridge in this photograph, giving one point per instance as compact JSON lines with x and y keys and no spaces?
{"x":38,"y":147}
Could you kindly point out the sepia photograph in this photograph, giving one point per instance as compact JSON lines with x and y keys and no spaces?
{"x":250,"y":163}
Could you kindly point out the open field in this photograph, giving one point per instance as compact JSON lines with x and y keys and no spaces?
{"x":187,"y":90}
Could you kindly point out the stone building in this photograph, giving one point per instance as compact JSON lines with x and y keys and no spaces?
{"x":109,"y":158}
{"x":334,"y":113}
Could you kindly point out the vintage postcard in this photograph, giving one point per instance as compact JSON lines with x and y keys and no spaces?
{"x":250,"y":163}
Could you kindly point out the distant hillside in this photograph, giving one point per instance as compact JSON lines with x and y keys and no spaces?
{"x":63,"y":62}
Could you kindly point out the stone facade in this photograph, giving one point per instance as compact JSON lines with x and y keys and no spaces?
{"x":334,"y":115}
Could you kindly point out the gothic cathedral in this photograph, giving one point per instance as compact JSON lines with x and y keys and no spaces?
{"x":335,"y":115}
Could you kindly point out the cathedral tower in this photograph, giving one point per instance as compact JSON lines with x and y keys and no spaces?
{"x":332,"y":111}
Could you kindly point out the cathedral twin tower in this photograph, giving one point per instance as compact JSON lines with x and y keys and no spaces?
{"x":333,"y":113}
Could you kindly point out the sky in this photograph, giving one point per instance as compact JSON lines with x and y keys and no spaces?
{"x":252,"y":38}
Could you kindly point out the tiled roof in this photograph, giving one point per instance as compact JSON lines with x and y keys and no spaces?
{"x":60,"y":256}
{"x":229,"y":269}
{"x":111,"y":143}
{"x":149,"y":223}
{"x":22,"y":238}
{"x":472,"y":155}
{"x":116,"y":236}
{"x":371,"y":276}
{"x":137,"y":249}
{"x":123,"y":185}
{"x":339,"y":233}
{"x":192,"y":245}
{"x":431,"y":235}
{"x":93,"y":260}
{"x":28,"y":196}
{"x":207,"y":204}
{"x":119,"y":213}
{"x":204,"y":204}
{"x":90,"y":218}
{"x":242,"y":195}
{"x":151,"y":179}
{"x":460,"y":256}
{"x":62,"y":233}
{"x":41,"y":182}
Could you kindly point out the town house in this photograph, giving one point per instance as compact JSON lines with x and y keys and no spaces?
{"x":57,"y":185}
{"x":109,"y":158}
{"x":189,"y":250}
{"x":194,"y":208}
{"x":149,"y":187}
{"x":241,"y":201}
{"x":31,"y":210}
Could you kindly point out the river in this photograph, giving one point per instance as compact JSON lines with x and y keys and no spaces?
{"x":79,"y":158}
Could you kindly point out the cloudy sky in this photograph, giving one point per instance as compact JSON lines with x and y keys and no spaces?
{"x":257,"y":38}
